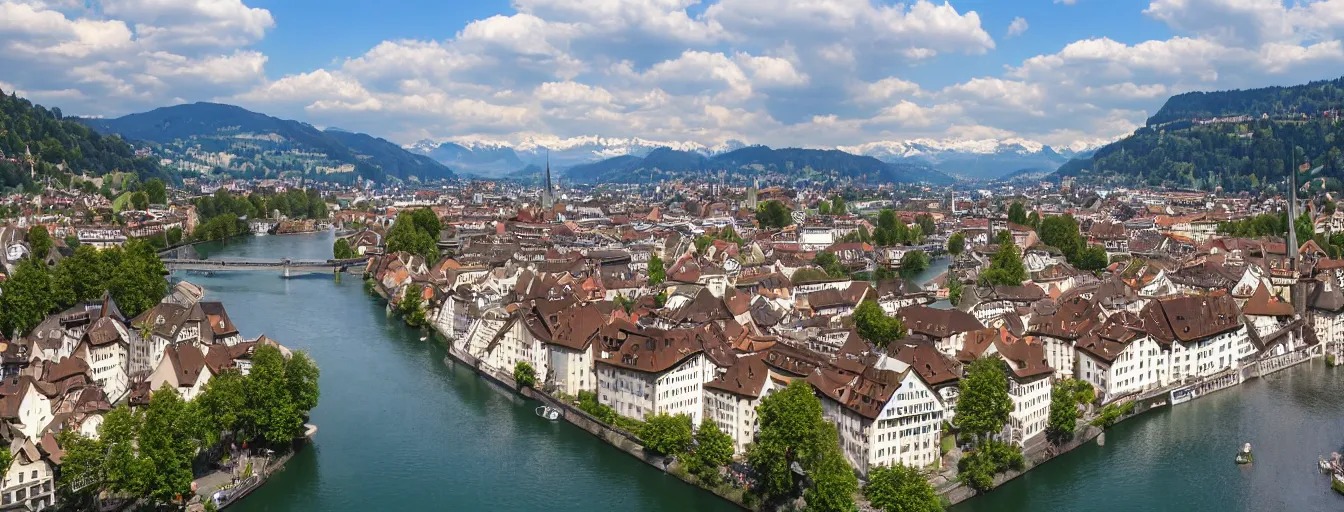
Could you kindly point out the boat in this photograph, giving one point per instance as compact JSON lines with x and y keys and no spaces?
{"x":1244,"y":456}
{"x":548,"y":412}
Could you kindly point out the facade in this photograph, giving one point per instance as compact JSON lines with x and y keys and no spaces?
{"x":884,"y":417}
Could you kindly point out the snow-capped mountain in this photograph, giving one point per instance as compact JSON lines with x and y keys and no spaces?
{"x":488,"y":157}
{"x":970,"y":158}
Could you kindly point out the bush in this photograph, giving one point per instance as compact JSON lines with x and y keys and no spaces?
{"x":1113,"y":413}
{"x":524,"y":374}
{"x":977,"y":469}
{"x":588,"y":403}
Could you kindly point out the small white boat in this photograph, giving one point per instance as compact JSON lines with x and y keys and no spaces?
{"x":548,"y":412}
{"x":1245,"y":457}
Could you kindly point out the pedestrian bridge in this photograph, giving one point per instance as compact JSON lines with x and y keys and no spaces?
{"x":286,"y":266}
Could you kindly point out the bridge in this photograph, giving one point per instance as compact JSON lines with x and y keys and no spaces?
{"x":287,"y":266}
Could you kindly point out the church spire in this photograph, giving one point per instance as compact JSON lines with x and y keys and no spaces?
{"x":548,"y":193}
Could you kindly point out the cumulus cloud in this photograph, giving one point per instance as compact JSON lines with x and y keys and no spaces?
{"x":812,"y":73}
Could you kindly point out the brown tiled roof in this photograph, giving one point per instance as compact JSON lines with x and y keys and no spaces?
{"x":1262,"y":303}
{"x":188,"y":361}
{"x":864,"y":393}
{"x":651,"y":350}
{"x":218,"y":319}
{"x":1190,"y":318}
{"x":935,"y":368}
{"x":938,"y":323}
{"x":746,"y":377}
{"x":104,"y":331}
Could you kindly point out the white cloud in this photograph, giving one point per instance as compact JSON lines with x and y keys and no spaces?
{"x":1017,"y":27}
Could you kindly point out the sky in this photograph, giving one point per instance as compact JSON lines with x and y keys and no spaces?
{"x":801,"y":73}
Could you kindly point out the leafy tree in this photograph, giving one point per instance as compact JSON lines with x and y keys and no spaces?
{"x":416,"y":232}
{"x":984,"y":405}
{"x":900,"y":488}
{"x":39,"y":242}
{"x":838,"y":206}
{"x":713,"y":449}
{"x":773,"y":214}
{"x":222,"y":405}
{"x":301,"y":376}
{"x":588,"y":403}
{"x":914,"y":262}
{"x":1063,"y":415}
{"x":926,"y":224}
{"x":83,"y":459}
{"x":1004,"y":237}
{"x":874,"y":325}
{"x":341,"y":250}
{"x":1092,"y":258}
{"x":833,"y":480}
{"x":657,"y":274}
{"x":168,"y":440}
{"x":1017,"y":213}
{"x":1034,"y":220}
{"x":137,"y":282}
{"x":828,"y":262}
{"x":412,"y":307}
{"x":1061,"y":232}
{"x":524,"y":374}
{"x":80,"y":278}
{"x":824,"y":207}
{"x":25,"y":298}
{"x":140,"y":201}
{"x":956,"y":243}
{"x":123,"y":469}
{"x":156,"y":192}
{"x":270,"y":408}
{"x":667,"y":434}
{"x":954,"y":289}
{"x":791,"y":430}
{"x":1005,"y":268}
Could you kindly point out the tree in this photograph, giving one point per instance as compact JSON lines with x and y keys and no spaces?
{"x":137,"y":282}
{"x":956,"y":243}
{"x":838,"y":206}
{"x":80,"y":278}
{"x":791,"y":430}
{"x":874,"y":325}
{"x":156,"y":192}
{"x":169,"y":440}
{"x":1092,"y":258}
{"x":984,"y":405}
{"x":1005,"y":268}
{"x":1034,"y":220}
{"x":140,"y":201}
{"x":666,"y":434}
{"x":773,"y":214}
{"x":39,"y":242}
{"x":1017,"y":214}
{"x":900,"y":488}
{"x":914,"y":262}
{"x":123,"y":469}
{"x":926,"y":224}
{"x":412,"y":307}
{"x":824,"y":207}
{"x":1004,"y":237}
{"x":341,"y":250}
{"x":828,"y":262}
{"x":301,"y":376}
{"x":25,"y":298}
{"x":271,"y":413}
{"x":174,"y":236}
{"x":657,"y":274}
{"x":416,"y":232}
{"x":221,"y":405}
{"x":954,"y":289}
{"x":524,"y":374}
{"x":713,"y":449}
{"x":1061,"y":232}
{"x":833,"y":480}
{"x":83,"y":459}
{"x":1063,"y":415}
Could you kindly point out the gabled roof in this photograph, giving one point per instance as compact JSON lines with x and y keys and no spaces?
{"x":1262,"y":303}
{"x":746,"y":377}
{"x":938,"y":323}
{"x":1190,"y":318}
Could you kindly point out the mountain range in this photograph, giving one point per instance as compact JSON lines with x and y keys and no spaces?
{"x":967,"y":158}
{"x":754,"y":161}
{"x":219,"y":127}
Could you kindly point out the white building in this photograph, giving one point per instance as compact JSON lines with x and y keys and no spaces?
{"x":884,"y":417}
{"x":1029,"y":378}
{"x":731,"y":399}
{"x":653,"y":372}
{"x":29,"y":480}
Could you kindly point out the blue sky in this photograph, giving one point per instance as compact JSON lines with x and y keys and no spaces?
{"x":866,"y":75}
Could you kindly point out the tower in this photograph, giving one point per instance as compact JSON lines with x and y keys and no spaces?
{"x":547,"y":194}
{"x":751,"y":193}
{"x":1296,"y":292}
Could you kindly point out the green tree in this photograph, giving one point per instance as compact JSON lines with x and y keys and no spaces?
{"x":524,"y":374}
{"x":657,"y":274}
{"x":416,"y":232}
{"x":1004,"y":237}
{"x":874,"y":325}
{"x":954,"y":289}
{"x":140,"y":201}
{"x":156,"y":192}
{"x":833,"y":481}
{"x":80,"y":278}
{"x":83,"y":460}
{"x":123,"y":469}
{"x":838,"y":206}
{"x":169,"y":440}
{"x":222,"y":405}
{"x":1034,"y":220}
{"x":956,"y":243}
{"x":1017,"y":213}
{"x":1092,"y":258}
{"x":791,"y":431}
{"x":271,"y":412}
{"x":39,"y":242}
{"x":1005,"y":268}
{"x":412,"y":306}
{"x":174,"y":236}
{"x":828,"y":262}
{"x":666,"y":434}
{"x":914,"y":262}
{"x":301,"y":376}
{"x":1063,"y":415}
{"x":137,"y":282}
{"x":25,"y":298}
{"x":824,"y":207}
{"x":900,"y":488}
{"x":1061,"y":232}
{"x":984,"y":404}
{"x":773,"y":214}
{"x":713,"y":449}
{"x":341,"y":250}
{"x":926,"y":224}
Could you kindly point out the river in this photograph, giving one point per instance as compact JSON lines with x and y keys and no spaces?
{"x":401,"y":430}
{"x":1180,"y":458}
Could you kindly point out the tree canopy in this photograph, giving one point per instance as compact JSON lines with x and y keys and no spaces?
{"x":874,"y":325}
{"x":773,"y":214}
{"x":39,"y":241}
{"x":1017,"y":213}
{"x":793,"y":430}
{"x":416,"y":232}
{"x":900,"y":488}
{"x":713,"y":449}
{"x":984,"y":404}
{"x":914,"y":262}
{"x":1005,"y":268}
{"x":956,"y":243}
{"x":667,"y":434}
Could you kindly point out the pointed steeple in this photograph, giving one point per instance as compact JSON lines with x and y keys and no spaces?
{"x":548,"y":194}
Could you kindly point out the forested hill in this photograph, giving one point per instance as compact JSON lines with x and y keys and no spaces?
{"x":796,"y":163}
{"x":1245,"y":154}
{"x":52,"y":139}
{"x":233,"y":129}
{"x":1277,"y":102}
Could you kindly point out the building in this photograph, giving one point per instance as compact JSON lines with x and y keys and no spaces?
{"x":1029,"y":379}
{"x":642,"y":372}
{"x":885,"y":417}
{"x":731,"y":398}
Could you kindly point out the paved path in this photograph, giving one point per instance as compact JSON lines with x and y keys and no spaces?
{"x":208,"y":484}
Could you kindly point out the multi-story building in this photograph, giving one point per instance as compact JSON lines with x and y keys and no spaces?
{"x":884,"y":417}
{"x":731,"y":399}
{"x":643,"y":372}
